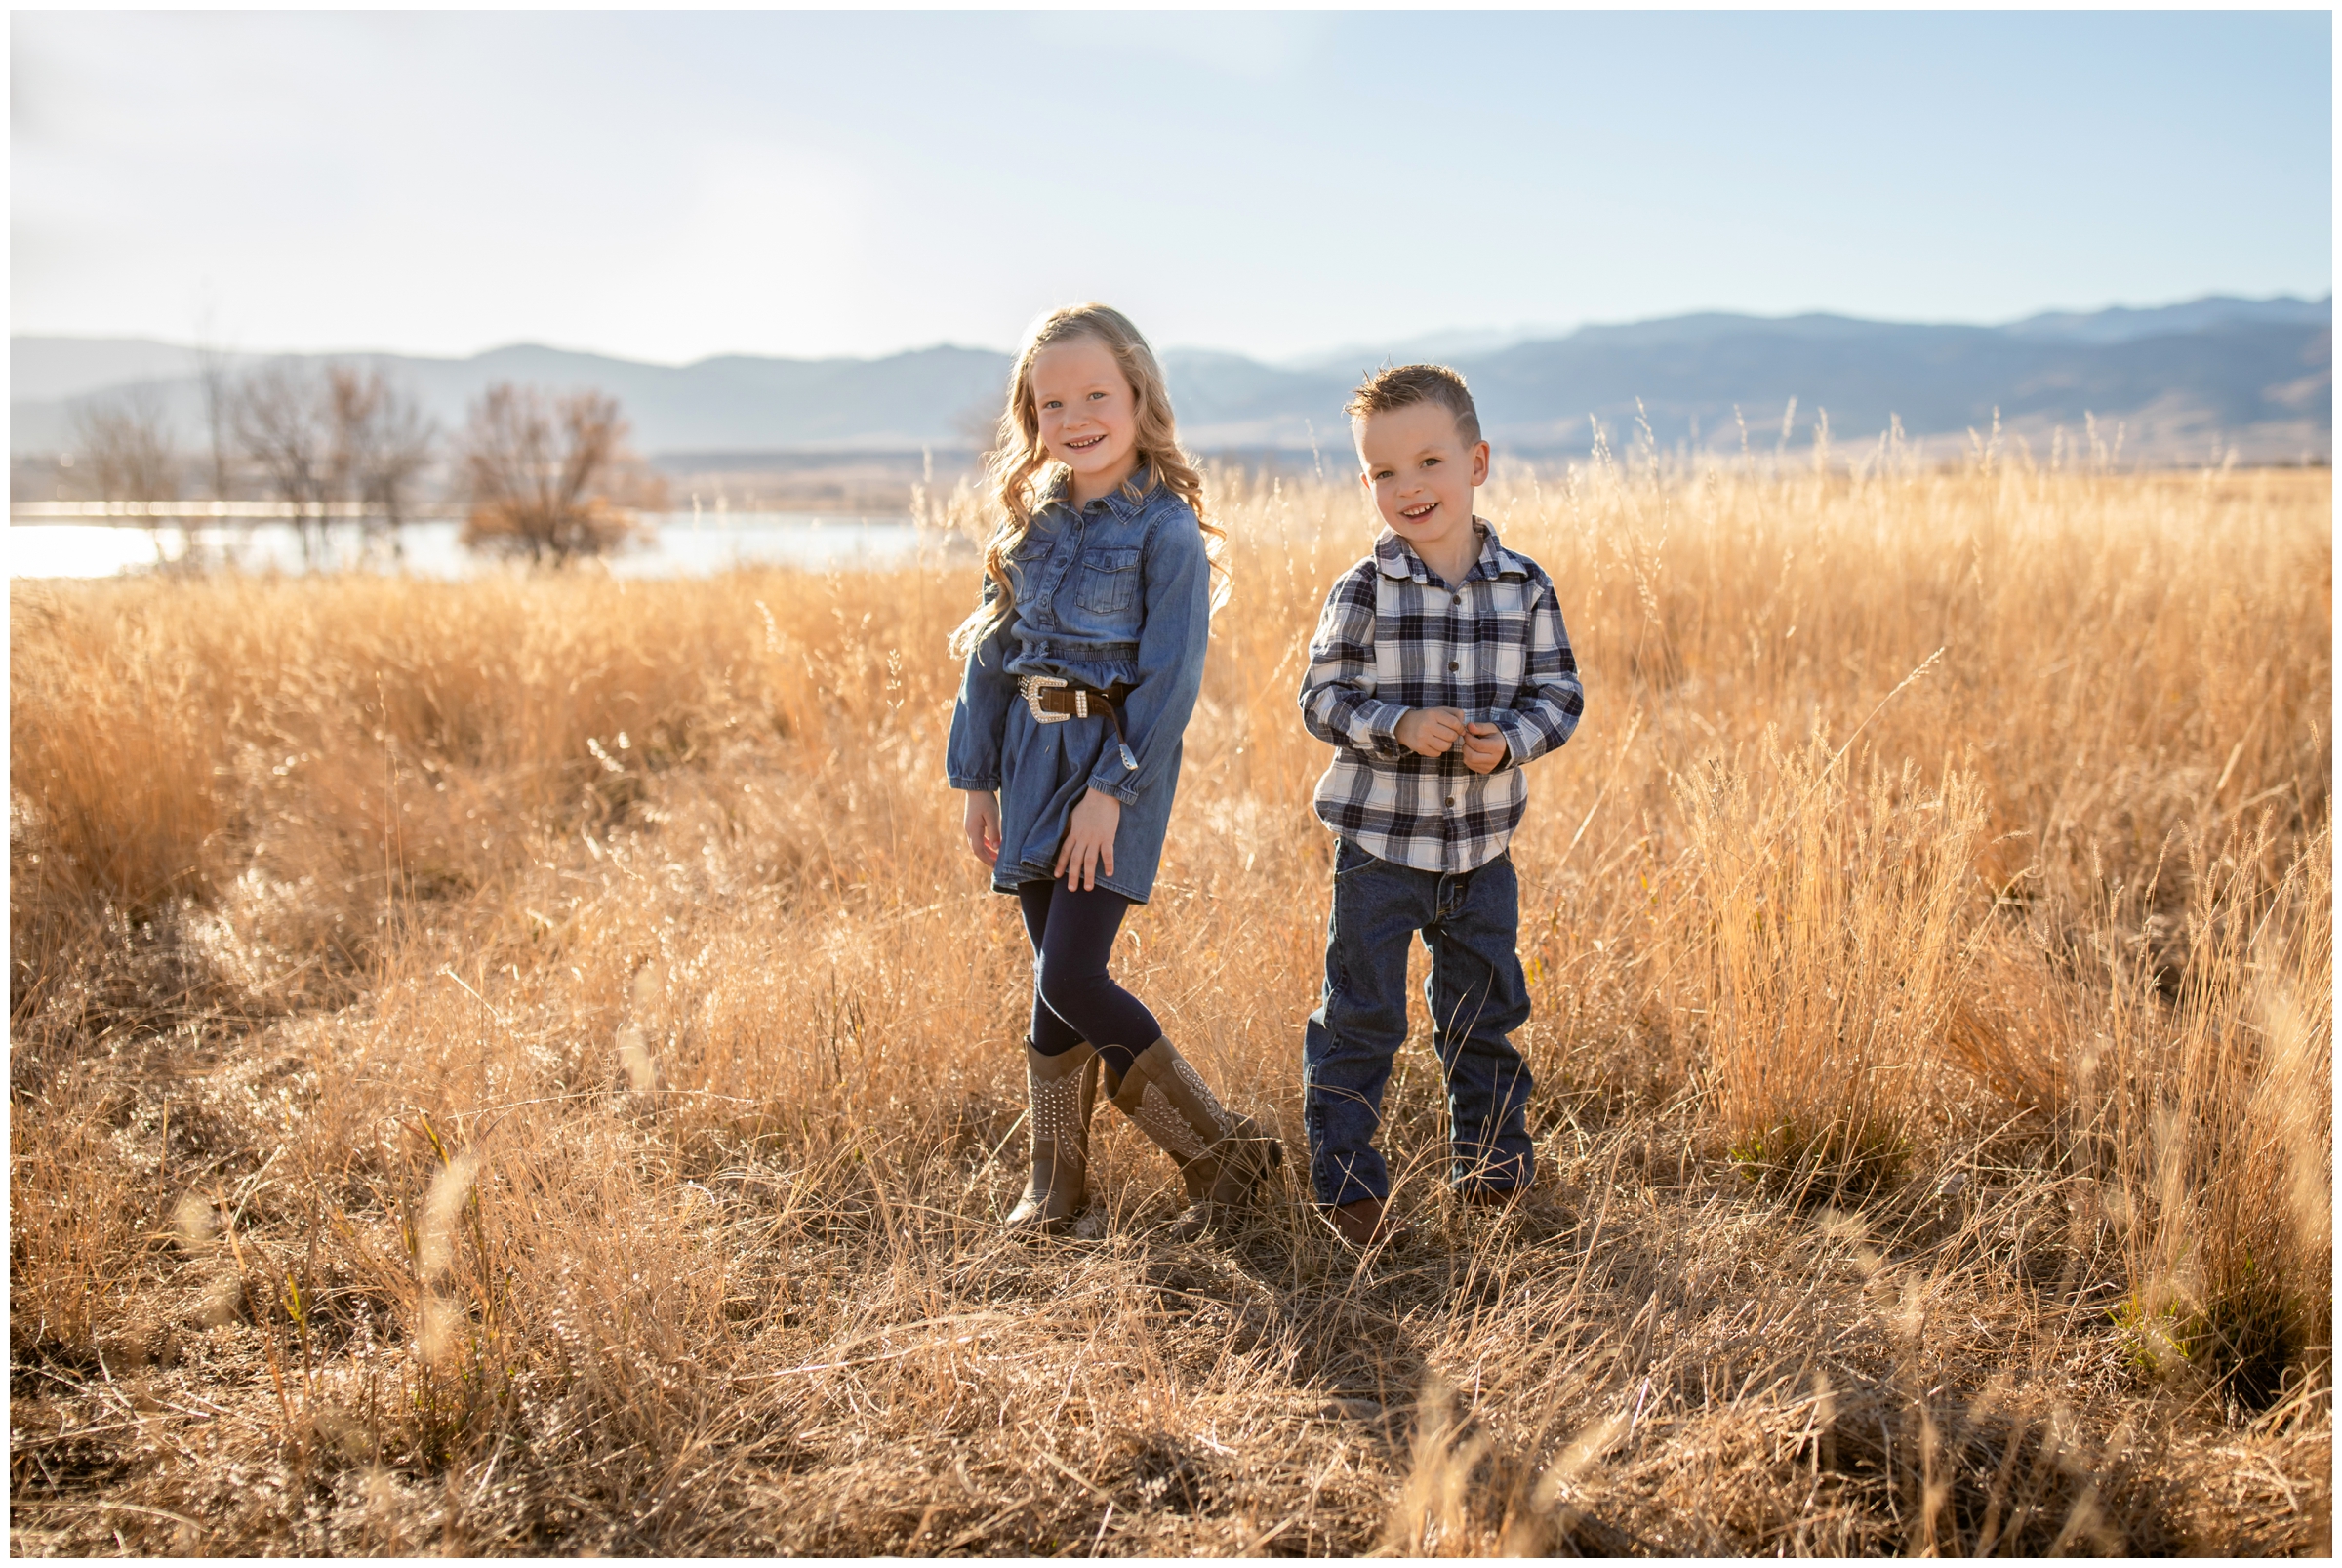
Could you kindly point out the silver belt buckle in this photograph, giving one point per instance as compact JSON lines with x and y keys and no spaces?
{"x":1032,"y":686}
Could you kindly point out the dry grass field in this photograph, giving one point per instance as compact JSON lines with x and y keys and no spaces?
{"x":529,"y":1065}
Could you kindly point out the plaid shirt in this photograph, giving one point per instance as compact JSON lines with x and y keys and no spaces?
{"x":1394,"y":637}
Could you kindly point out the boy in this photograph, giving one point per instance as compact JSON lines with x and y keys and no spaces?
{"x":1439,"y":669}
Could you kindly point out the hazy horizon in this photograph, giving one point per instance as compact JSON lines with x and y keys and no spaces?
{"x":1461,"y":333}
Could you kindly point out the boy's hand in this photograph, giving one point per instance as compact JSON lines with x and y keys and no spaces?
{"x":1428,"y":732}
{"x":982,"y":822}
{"x":1485,"y":747}
{"x":1089,"y":846}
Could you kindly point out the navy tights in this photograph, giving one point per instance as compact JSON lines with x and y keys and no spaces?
{"x":1073,"y":999}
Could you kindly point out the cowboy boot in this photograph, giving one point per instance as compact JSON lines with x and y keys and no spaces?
{"x":1366,"y":1223}
{"x":1059,"y":1091}
{"x":1223,"y":1157}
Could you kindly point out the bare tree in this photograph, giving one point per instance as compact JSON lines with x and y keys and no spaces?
{"x":381,"y":444}
{"x":127,"y":453}
{"x":978,"y":424}
{"x":550,"y":476}
{"x":217,"y":384}
{"x":126,"y":447}
{"x":352,"y":397}
{"x":283,"y":423}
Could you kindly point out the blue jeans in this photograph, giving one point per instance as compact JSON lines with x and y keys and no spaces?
{"x":1470,"y":923}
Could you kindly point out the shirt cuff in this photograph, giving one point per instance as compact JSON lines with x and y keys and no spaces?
{"x":968,"y":781}
{"x":1125,"y":794}
{"x":1518,"y":745}
{"x":1382,"y":729}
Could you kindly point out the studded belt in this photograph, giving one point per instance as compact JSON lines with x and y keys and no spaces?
{"x":1053,"y":700}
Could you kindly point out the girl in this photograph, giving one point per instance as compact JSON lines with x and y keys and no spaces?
{"x":1083,"y":661}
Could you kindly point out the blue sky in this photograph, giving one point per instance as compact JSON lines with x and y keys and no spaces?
{"x":671,"y":185}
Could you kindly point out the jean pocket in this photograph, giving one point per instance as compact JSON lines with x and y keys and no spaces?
{"x":1110,"y":581}
{"x":1350,"y":858}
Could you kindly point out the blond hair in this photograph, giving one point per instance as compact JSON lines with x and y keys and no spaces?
{"x":1023,"y":476}
{"x":1397,"y":386}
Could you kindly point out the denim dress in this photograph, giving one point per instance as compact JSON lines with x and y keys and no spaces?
{"x":1116,"y":590}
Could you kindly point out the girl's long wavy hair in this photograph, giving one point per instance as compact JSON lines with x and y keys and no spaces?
{"x":1023,"y":476}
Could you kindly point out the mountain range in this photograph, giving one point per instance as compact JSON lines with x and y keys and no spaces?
{"x":2186,"y":381}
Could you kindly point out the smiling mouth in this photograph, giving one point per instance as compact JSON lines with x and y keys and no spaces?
{"x":1416,"y":515}
{"x":1084,"y":444}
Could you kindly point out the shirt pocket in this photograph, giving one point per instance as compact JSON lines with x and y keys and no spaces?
{"x":1027,"y":559}
{"x":1505,"y":648}
{"x":1110,"y":581}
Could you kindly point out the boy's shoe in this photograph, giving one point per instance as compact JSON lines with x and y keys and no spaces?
{"x":1482,"y":1196}
{"x":1059,"y":1093}
{"x":1366,"y":1223}
{"x":1223,"y":1157}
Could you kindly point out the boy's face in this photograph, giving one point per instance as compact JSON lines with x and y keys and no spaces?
{"x":1421,"y":472}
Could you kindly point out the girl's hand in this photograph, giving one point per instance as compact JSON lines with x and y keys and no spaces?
{"x":983,"y":824}
{"x":1089,"y":846}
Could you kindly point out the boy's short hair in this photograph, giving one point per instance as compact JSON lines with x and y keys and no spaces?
{"x":1397,"y":386}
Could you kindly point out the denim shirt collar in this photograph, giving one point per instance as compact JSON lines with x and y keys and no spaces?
{"x":1119,"y":501}
{"x":1397,"y":558}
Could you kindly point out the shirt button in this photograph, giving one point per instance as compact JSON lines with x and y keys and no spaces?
{"x":1451,"y":800}
{"x":1459,"y":599}
{"x":1454,"y":665}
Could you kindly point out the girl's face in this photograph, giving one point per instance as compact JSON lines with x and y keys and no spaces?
{"x":1089,"y":416}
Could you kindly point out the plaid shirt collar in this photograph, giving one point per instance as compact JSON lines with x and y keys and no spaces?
{"x":1396,"y":558}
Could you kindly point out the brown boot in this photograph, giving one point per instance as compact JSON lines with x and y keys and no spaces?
{"x":1223,"y":1157}
{"x":1366,"y":1223}
{"x":1060,"y":1092}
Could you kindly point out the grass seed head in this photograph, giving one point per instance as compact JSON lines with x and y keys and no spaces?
{"x":442,"y":1211}
{"x":642,"y":1072}
{"x":191,"y":1223}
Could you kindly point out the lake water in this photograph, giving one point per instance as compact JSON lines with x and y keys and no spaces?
{"x":684,"y":545}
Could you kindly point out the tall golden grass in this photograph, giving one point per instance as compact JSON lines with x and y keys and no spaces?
{"x":526,"y":1065}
